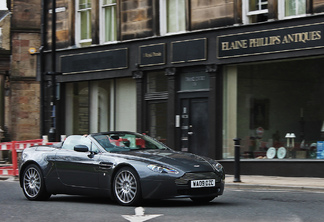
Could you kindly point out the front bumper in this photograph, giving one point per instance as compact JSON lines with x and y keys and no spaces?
{"x":179,"y":187}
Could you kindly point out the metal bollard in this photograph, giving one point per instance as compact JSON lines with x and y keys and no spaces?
{"x":237,"y":160}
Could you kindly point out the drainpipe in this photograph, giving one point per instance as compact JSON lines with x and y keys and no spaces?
{"x":42,"y":67}
{"x":52,"y":130}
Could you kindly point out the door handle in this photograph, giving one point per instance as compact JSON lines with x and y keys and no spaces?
{"x":190,"y":130}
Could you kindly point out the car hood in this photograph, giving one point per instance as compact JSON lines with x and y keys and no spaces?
{"x":183,"y":161}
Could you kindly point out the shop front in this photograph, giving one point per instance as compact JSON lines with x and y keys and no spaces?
{"x":198,"y":91}
{"x":273,"y":99}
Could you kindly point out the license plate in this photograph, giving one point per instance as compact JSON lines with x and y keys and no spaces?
{"x":202,"y":183}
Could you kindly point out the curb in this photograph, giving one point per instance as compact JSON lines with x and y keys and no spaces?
{"x":8,"y":178}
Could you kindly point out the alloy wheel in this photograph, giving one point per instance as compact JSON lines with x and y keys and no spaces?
{"x":32,"y":182}
{"x":126,"y":187}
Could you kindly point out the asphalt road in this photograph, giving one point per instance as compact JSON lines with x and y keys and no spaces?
{"x":234,"y":205}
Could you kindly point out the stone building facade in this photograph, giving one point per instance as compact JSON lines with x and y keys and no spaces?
{"x":23,"y":104}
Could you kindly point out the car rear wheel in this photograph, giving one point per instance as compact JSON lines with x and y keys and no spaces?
{"x":33,"y":183}
{"x":126,"y":187}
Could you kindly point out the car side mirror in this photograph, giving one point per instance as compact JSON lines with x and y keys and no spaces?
{"x":81,"y":148}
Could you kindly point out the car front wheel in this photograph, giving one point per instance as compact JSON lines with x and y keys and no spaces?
{"x":33,"y":183}
{"x":126,"y":187}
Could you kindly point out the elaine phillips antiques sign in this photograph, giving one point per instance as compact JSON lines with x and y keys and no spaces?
{"x":271,"y":41}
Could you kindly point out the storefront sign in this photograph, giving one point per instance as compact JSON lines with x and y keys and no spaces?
{"x":189,"y":50}
{"x":271,"y":41}
{"x":95,"y":61}
{"x":151,"y":55}
{"x":194,"y":81}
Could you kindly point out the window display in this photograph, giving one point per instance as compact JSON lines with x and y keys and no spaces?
{"x":278,"y":109}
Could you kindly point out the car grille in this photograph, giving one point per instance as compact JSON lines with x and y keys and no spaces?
{"x":200,"y":191}
{"x":184,"y":180}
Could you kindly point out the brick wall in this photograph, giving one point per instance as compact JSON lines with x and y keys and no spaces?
{"x":211,"y":13}
{"x":136,"y":19}
{"x":318,"y":6}
{"x":26,"y":14}
{"x":23,"y":104}
{"x":24,"y":112}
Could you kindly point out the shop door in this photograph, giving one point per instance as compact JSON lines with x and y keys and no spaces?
{"x":194,"y":126}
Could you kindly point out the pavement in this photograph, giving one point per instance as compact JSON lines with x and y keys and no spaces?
{"x":275,"y":182}
{"x":260,"y":182}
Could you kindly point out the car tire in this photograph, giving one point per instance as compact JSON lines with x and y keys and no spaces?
{"x":202,"y":200}
{"x":33,"y":183}
{"x":126,"y":187}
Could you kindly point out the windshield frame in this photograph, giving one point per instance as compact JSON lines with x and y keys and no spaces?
{"x":124,"y":141}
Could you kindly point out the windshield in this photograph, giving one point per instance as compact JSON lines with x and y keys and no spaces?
{"x":120,"y":141}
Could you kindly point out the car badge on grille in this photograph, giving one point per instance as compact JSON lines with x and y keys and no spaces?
{"x":196,"y":166}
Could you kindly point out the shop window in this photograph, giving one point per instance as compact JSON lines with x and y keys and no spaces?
{"x":156,"y":102}
{"x":156,"y":82}
{"x":275,"y":108}
{"x":108,"y":20}
{"x":83,"y":26}
{"x":255,"y":11}
{"x":88,"y":107}
{"x":172,"y":16}
{"x":157,"y":126}
{"x":291,"y":8}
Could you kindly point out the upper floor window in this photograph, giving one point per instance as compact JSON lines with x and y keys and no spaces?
{"x":291,"y":8}
{"x":108,"y":19}
{"x":83,"y":27}
{"x":172,"y":16}
{"x":255,"y":11}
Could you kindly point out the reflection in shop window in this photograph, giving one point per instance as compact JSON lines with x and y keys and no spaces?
{"x":263,"y":103}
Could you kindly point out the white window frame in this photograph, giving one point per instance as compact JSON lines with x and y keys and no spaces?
{"x":163,"y":19}
{"x":282,"y":10}
{"x":80,"y":41}
{"x":247,"y":13}
{"x":103,"y":24}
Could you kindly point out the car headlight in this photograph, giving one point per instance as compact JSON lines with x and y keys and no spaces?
{"x":162,"y":169}
{"x":218,"y":167}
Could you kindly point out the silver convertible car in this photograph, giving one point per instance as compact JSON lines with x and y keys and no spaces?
{"x":125,"y":166}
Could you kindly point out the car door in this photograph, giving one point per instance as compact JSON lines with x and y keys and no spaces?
{"x":76,"y":168}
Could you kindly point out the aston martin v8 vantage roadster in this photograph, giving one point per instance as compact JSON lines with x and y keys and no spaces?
{"x":127,"y":167}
